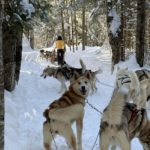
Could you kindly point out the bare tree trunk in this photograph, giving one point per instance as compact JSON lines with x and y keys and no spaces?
{"x":9,"y":56}
{"x":83,"y":27}
{"x":62,"y":24}
{"x":122,"y":48}
{"x":115,"y":38}
{"x":86,"y":32}
{"x":76,"y":34}
{"x":140,"y":32}
{"x":2,"y":108}
{"x":68,"y":29}
{"x":18,"y":55}
{"x":12,"y":45}
{"x":72,"y":26}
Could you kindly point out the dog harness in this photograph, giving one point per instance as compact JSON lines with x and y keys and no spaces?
{"x":124,"y":79}
{"x":134,"y":110}
{"x":144,"y":74}
{"x":68,"y":74}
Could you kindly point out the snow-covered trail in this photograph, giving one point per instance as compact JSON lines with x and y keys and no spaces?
{"x":25,"y":105}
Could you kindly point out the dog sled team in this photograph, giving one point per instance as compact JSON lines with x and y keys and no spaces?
{"x":123,"y":119}
{"x":59,"y":48}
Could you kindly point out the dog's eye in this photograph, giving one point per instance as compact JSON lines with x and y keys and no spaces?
{"x":85,"y":82}
{"x":79,"y":83}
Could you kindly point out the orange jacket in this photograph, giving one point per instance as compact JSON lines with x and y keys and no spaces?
{"x":60,"y":44}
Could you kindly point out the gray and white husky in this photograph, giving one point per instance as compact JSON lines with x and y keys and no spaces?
{"x":66,"y":73}
{"x":122,"y":121}
{"x":137,"y":81}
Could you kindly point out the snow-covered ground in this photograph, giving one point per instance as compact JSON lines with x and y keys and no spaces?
{"x":25,"y":105}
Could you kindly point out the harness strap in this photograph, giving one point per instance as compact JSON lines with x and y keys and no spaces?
{"x":144,"y":74}
{"x":124,"y":79}
{"x":129,"y":81}
{"x":67,"y":74}
{"x":134,"y":114}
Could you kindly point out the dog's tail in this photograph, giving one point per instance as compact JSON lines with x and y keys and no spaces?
{"x":83,"y":66}
{"x":113,"y":112}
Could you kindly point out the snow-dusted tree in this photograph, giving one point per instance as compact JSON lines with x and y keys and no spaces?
{"x":17,"y":13}
{"x":114,"y":31}
{"x":97,"y":26}
{"x":2,"y":106}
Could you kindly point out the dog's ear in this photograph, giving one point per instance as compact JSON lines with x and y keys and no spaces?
{"x":75,"y":76}
{"x":83,"y":66}
{"x":88,"y":75}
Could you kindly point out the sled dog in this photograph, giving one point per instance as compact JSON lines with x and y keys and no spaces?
{"x":121,"y":122}
{"x":66,"y":72}
{"x":92,"y":74}
{"x":63,"y":112}
{"x":45,"y":54}
{"x":124,"y":78}
{"x":111,"y":128}
{"x":138,"y":80}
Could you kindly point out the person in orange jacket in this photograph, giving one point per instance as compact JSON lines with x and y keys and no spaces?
{"x":60,"y":46}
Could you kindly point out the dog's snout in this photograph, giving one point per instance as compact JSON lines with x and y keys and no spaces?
{"x":83,"y":87}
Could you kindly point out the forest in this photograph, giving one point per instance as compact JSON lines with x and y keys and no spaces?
{"x":125,"y":24}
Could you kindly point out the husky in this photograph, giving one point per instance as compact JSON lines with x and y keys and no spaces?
{"x":123,"y":77}
{"x":63,"y":74}
{"x":63,"y":112}
{"x":122,"y":121}
{"x":42,"y":54}
{"x":66,"y":72}
{"x":111,"y":128}
{"x":48,"y":55}
{"x":93,"y":74}
{"x":135,"y":80}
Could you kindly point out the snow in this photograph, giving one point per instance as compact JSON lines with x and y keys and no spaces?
{"x":25,"y":105}
{"x":115,"y":24}
{"x":27,"y":8}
